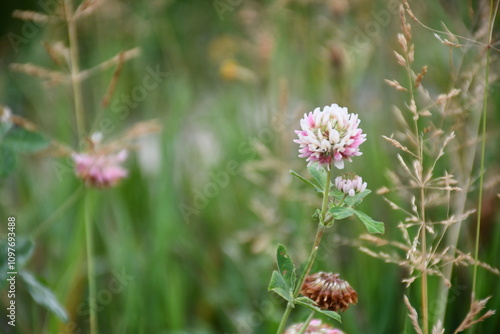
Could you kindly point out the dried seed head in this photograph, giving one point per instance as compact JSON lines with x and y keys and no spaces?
{"x":411,"y":54}
{"x":420,"y":76}
{"x":402,"y":42}
{"x":27,"y":15}
{"x":329,"y":291}
{"x":395,"y":84}
{"x":401,"y":60}
{"x":315,"y":327}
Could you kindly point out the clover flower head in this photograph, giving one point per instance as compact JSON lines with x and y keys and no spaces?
{"x":329,"y":291}
{"x":315,"y":327}
{"x":330,"y":136}
{"x":100,"y":168}
{"x":350,"y":184}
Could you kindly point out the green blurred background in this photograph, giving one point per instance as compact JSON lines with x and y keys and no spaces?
{"x":195,"y":225}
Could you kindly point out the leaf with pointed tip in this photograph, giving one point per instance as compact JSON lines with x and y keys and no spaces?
{"x":304,"y":301}
{"x":319,"y":175}
{"x":43,"y":296}
{"x":341,"y":212}
{"x":279,"y":285}
{"x":24,"y":250}
{"x":306,"y":181}
{"x":21,"y":140}
{"x":337,"y":194}
{"x":372,"y":226}
{"x":331,"y":314}
{"x":356,"y":199}
{"x":286,"y":266}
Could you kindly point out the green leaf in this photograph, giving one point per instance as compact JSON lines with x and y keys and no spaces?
{"x":24,"y":250}
{"x":319,"y":174}
{"x":331,"y":314}
{"x":22,"y":140}
{"x":43,"y":296}
{"x":337,"y":194}
{"x":306,"y":181}
{"x":341,"y":212}
{"x":7,"y":161}
{"x":356,"y":199}
{"x":372,"y":226}
{"x":279,"y":285}
{"x":304,"y":301}
{"x":285,"y":266}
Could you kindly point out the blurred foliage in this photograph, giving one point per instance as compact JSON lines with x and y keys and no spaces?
{"x":238,"y":82}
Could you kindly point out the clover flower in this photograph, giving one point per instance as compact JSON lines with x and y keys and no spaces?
{"x":315,"y":327}
{"x":100,"y":168}
{"x":350,"y":184}
{"x":329,"y":291}
{"x":329,"y":136}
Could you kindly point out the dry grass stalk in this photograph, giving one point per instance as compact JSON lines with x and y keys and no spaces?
{"x":417,"y":180}
{"x":38,"y":71}
{"x":58,"y":53}
{"x":27,"y":15}
{"x":114,"y":80}
{"x":438,"y":328}
{"x":86,"y":8}
{"x":476,"y":308}
{"x":120,"y":57}
{"x":395,"y":84}
{"x":413,"y":316}
{"x":420,"y":76}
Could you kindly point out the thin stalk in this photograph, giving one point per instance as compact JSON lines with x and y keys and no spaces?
{"x":80,"y":124}
{"x":307,"y":322}
{"x":425,"y":303}
{"x":423,"y":236}
{"x":312,"y":255}
{"x":460,"y":202}
{"x":56,"y":214}
{"x":284,"y":318}
{"x":483,"y":152}
{"x":75,"y":68}
{"x":90,"y":259}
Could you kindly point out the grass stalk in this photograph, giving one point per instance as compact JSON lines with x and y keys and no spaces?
{"x":425,"y":303}
{"x":80,"y":124}
{"x":483,"y":151}
{"x":75,"y":68}
{"x":307,"y":322}
{"x":89,"y":236}
{"x":461,"y":199}
{"x":423,"y":236}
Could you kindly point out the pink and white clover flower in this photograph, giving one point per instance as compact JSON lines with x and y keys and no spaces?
{"x":100,"y":168}
{"x":330,"y":136}
{"x":350,"y":184}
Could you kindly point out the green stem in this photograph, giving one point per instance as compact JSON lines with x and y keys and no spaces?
{"x":75,"y":68}
{"x":312,"y":255}
{"x":307,"y":322}
{"x":90,"y":260}
{"x":284,"y":318}
{"x":483,"y":152}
